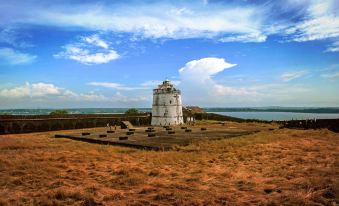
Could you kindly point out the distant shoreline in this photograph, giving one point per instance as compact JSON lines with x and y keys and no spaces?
{"x":332,"y":110}
{"x":314,"y":110}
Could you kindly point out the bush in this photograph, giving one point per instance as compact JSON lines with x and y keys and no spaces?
{"x":58,"y":112}
{"x":132,"y":111}
{"x":5,"y":113}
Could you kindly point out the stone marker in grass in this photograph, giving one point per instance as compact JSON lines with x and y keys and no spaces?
{"x":151,"y":134}
{"x":123,"y":138}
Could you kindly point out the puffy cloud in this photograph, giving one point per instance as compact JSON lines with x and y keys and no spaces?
{"x":85,"y":56}
{"x":41,"y":89}
{"x":196,"y":81}
{"x":31,"y":90}
{"x":14,"y":57}
{"x":288,"y":76}
{"x":204,"y":68}
{"x":42,"y":94}
{"x":90,"y":50}
{"x":199,"y":87}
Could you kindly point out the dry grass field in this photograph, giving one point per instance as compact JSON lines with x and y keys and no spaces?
{"x":278,"y":167}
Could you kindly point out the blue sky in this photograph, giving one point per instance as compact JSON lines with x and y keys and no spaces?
{"x":59,"y":54}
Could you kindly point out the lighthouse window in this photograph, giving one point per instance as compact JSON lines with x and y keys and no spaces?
{"x":170,"y":101}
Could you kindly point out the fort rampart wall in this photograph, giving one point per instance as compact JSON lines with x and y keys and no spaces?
{"x":331,"y":124}
{"x":11,"y":124}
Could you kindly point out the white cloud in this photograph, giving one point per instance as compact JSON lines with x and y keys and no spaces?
{"x":41,"y":89}
{"x":148,"y":85}
{"x":85,"y":56}
{"x":253,"y":37}
{"x":227,"y":22}
{"x":196,"y":82}
{"x":91,"y":96}
{"x":323,"y":27}
{"x":31,"y":90}
{"x":226,"y":90}
{"x":334,"y":47}
{"x":90,"y":50}
{"x":14,"y":57}
{"x":204,"y":68}
{"x":200,"y":88}
{"x":106,"y":84}
{"x":49,"y":94}
{"x":288,"y":76}
{"x":320,"y":22}
{"x":118,"y":97}
{"x":20,"y":91}
{"x":283,"y":93}
{"x":113,"y":85}
{"x":95,"y":40}
{"x":156,"y":20}
{"x":332,"y":76}
{"x":11,"y":36}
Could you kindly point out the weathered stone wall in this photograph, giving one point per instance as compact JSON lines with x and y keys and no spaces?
{"x":331,"y":124}
{"x":219,"y":117}
{"x":37,"y":123}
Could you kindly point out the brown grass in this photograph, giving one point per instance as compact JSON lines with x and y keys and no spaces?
{"x":289,"y":167}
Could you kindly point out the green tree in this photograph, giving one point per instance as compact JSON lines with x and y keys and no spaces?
{"x":132,"y":111}
{"x":59,"y":112}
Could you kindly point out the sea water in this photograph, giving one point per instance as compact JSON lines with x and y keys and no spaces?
{"x":244,"y":115}
{"x":278,"y":116}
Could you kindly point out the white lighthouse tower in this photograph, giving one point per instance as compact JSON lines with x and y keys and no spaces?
{"x":167,"y":107}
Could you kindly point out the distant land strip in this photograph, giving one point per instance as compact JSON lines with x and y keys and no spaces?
{"x":333,"y":110}
{"x":45,"y":111}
